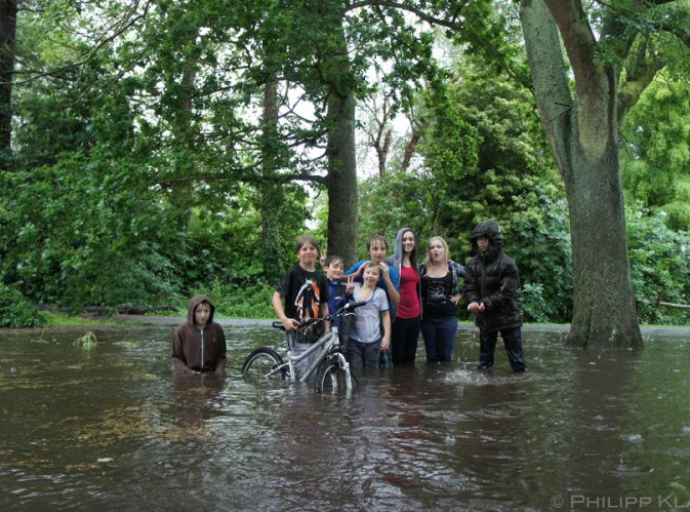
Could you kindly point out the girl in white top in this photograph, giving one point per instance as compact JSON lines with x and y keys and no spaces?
{"x":370,"y":330}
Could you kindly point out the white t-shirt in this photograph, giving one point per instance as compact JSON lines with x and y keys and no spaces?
{"x":366,"y":325}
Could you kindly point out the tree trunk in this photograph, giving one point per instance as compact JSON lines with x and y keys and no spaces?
{"x":582,"y":132}
{"x":183,"y":130}
{"x":604,"y":311}
{"x":270,"y":192}
{"x":8,"y":30}
{"x":341,"y":180}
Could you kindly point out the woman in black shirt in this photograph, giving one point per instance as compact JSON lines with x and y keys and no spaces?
{"x":441,"y":292}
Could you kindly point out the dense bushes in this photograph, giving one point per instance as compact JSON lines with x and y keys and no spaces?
{"x":16,"y":311}
{"x":660,"y":263}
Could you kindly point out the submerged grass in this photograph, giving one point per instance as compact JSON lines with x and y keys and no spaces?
{"x":87,"y":341}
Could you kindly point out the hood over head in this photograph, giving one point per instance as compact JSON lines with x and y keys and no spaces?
{"x":492,"y":231}
{"x":396,"y":259}
{"x":193,"y":303}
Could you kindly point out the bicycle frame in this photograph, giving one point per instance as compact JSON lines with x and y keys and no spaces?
{"x":323,"y":341}
{"x":325,"y":344}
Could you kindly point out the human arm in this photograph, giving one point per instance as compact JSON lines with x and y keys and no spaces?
{"x":505,"y":286}
{"x":223,"y":355}
{"x":354,"y":271}
{"x":290,"y":324}
{"x":350,"y":287}
{"x":472,"y":287}
{"x":179,"y":361}
{"x":386,"y":321}
{"x":472,"y":292}
{"x":326,"y":322}
{"x":392,"y":282}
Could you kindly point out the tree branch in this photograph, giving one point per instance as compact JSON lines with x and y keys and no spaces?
{"x":549,"y":73}
{"x":119,"y":31}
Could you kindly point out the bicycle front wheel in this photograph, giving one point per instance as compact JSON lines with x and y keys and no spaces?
{"x":333,"y":376}
{"x":264,"y":365}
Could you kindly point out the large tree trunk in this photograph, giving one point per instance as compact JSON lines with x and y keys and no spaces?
{"x":186,"y":140}
{"x":342,"y":178}
{"x":270,"y":191}
{"x":342,"y":163}
{"x":582,"y":132}
{"x":8,"y":30}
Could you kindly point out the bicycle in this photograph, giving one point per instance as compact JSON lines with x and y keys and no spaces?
{"x":331,"y":367}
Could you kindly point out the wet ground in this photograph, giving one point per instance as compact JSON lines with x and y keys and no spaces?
{"x":107,"y":428}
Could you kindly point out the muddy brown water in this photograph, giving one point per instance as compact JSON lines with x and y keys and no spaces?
{"x":108,"y":428}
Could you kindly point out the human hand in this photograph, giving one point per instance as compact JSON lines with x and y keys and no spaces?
{"x":290,"y":324}
{"x":385,"y":343}
{"x":384,"y":269}
{"x":455,"y":299}
{"x":475,"y":307}
{"x":350,"y":286}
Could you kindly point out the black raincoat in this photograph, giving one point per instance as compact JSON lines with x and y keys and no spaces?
{"x":494,"y":281}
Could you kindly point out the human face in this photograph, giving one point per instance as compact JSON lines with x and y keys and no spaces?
{"x":483,"y":244}
{"x":334,"y":271}
{"x":202,"y":314}
{"x":436,"y":251}
{"x":377,"y":252}
{"x":371,"y":276}
{"x":307,"y":255}
{"x":408,"y":242}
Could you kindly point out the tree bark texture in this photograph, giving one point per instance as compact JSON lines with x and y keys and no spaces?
{"x":582,"y":132}
{"x":341,"y":152}
{"x":8,"y":31}
{"x":183,"y":130}
{"x":342,"y":178}
{"x":270,"y":191}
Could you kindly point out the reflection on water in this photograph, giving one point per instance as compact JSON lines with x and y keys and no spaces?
{"x":110,"y":427}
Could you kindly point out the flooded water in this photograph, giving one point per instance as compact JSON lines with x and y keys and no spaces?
{"x":107,"y":428}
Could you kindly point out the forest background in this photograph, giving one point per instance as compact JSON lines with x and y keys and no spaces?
{"x":153,"y":150}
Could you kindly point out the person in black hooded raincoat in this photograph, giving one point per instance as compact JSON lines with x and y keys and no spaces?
{"x":493,"y":293}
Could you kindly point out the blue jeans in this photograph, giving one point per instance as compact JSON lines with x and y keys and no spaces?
{"x":512,"y":340}
{"x":439,"y":336}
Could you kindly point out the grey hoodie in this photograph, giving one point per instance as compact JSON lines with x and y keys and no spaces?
{"x":396,"y":260}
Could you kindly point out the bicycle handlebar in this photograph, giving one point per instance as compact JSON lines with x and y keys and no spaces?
{"x":346,"y":309}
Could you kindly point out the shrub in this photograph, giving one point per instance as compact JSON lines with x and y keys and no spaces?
{"x":16,"y":312}
{"x":242,"y":302}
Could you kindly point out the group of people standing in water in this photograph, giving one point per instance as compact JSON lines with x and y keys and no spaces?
{"x":402,"y":297}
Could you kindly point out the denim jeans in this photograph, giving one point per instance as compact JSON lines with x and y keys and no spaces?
{"x":512,"y":340}
{"x":439,"y":336}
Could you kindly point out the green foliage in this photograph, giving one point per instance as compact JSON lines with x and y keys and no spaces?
{"x":106,"y":251}
{"x":16,"y":311}
{"x":251,"y":301}
{"x":483,"y":159}
{"x":660,"y":262}
{"x":655,"y":163}
{"x":538,"y":238}
{"x":535,"y":307}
